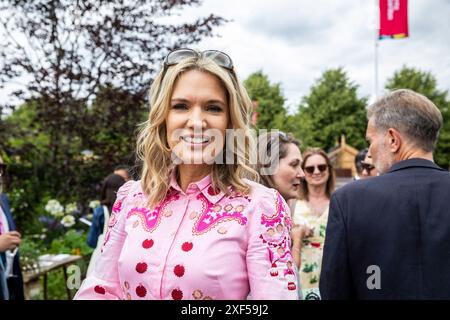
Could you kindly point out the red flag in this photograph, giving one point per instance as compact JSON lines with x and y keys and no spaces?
{"x":393,"y":19}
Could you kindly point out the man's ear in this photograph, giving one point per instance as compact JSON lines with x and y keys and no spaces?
{"x":395,"y":140}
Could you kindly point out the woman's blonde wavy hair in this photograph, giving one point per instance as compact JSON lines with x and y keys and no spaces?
{"x":152,"y":146}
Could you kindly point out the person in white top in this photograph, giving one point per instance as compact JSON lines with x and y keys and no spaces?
{"x":310,"y":218}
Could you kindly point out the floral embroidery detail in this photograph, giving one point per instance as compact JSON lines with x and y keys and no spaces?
{"x":141,"y":267}
{"x":197,"y":294}
{"x":126,"y":287}
{"x":117,"y":206}
{"x":278,"y":243}
{"x":151,"y":219}
{"x":212,"y":191}
{"x":147,"y":243}
{"x":112,"y":220}
{"x":277,"y":218}
{"x":187,"y":246}
{"x":289,"y":274}
{"x":179,"y":270}
{"x":99,"y":290}
{"x":177,"y":294}
{"x":193,"y":215}
{"x":141,"y":291}
{"x":212,"y":215}
{"x":236,"y":194}
{"x":139,"y":194}
{"x":274,"y":270}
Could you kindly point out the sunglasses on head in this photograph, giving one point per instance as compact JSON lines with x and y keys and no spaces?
{"x":320,"y":167}
{"x":367,"y":166}
{"x":219,"y":57}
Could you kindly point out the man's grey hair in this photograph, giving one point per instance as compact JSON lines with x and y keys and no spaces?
{"x":411,"y":113}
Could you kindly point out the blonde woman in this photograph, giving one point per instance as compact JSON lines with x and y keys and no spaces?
{"x":310,"y":219}
{"x":195,"y":226}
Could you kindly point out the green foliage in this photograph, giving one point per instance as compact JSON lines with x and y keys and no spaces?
{"x":75,"y":124}
{"x":30,"y":250}
{"x":73,"y":242}
{"x":270,"y":99}
{"x":426,"y":84}
{"x":107,"y":130}
{"x":331,"y":109}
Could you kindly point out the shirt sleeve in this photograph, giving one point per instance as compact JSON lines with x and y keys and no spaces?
{"x":271,"y":269}
{"x":103,"y":283}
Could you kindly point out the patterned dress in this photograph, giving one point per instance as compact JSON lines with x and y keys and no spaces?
{"x":312,"y":249}
{"x":200,"y":244}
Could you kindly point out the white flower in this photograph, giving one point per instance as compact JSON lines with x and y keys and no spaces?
{"x":71,"y":207}
{"x":68,"y":221}
{"x":54,"y":208}
{"x":94,"y":204}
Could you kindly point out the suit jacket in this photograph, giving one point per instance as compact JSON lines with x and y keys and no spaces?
{"x":96,"y":228}
{"x":15,"y":284}
{"x":388,"y":237}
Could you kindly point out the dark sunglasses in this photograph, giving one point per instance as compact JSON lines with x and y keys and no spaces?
{"x":219,"y":57}
{"x":320,"y":167}
{"x":367,"y":166}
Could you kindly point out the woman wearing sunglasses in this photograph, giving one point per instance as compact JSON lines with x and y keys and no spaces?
{"x":310,"y":218}
{"x":364,"y":167}
{"x":195,"y":226}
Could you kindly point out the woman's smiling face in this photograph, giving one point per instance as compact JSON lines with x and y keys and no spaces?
{"x":198,"y":118}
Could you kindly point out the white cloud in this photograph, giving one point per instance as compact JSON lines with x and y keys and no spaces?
{"x":294,"y":41}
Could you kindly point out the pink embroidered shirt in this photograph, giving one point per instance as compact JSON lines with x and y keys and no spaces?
{"x":198,"y":244}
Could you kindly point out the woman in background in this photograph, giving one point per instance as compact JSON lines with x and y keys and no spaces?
{"x":311,"y":215}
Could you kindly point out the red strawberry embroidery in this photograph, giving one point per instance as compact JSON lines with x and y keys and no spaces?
{"x":148,"y":243}
{"x":274,"y":270}
{"x":187,"y":246}
{"x":177,"y":294}
{"x":141,"y":267}
{"x":212,"y":191}
{"x":99,"y":290}
{"x":141,"y":291}
{"x":292,"y":286}
{"x":178,"y":270}
{"x":315,"y":244}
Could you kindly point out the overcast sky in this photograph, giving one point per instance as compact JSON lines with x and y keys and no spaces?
{"x":294,"y":41}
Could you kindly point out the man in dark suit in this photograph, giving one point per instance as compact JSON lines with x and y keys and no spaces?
{"x":388,"y":237}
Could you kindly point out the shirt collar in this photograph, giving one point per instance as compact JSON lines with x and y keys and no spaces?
{"x":204,"y":186}
{"x":414,"y":162}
